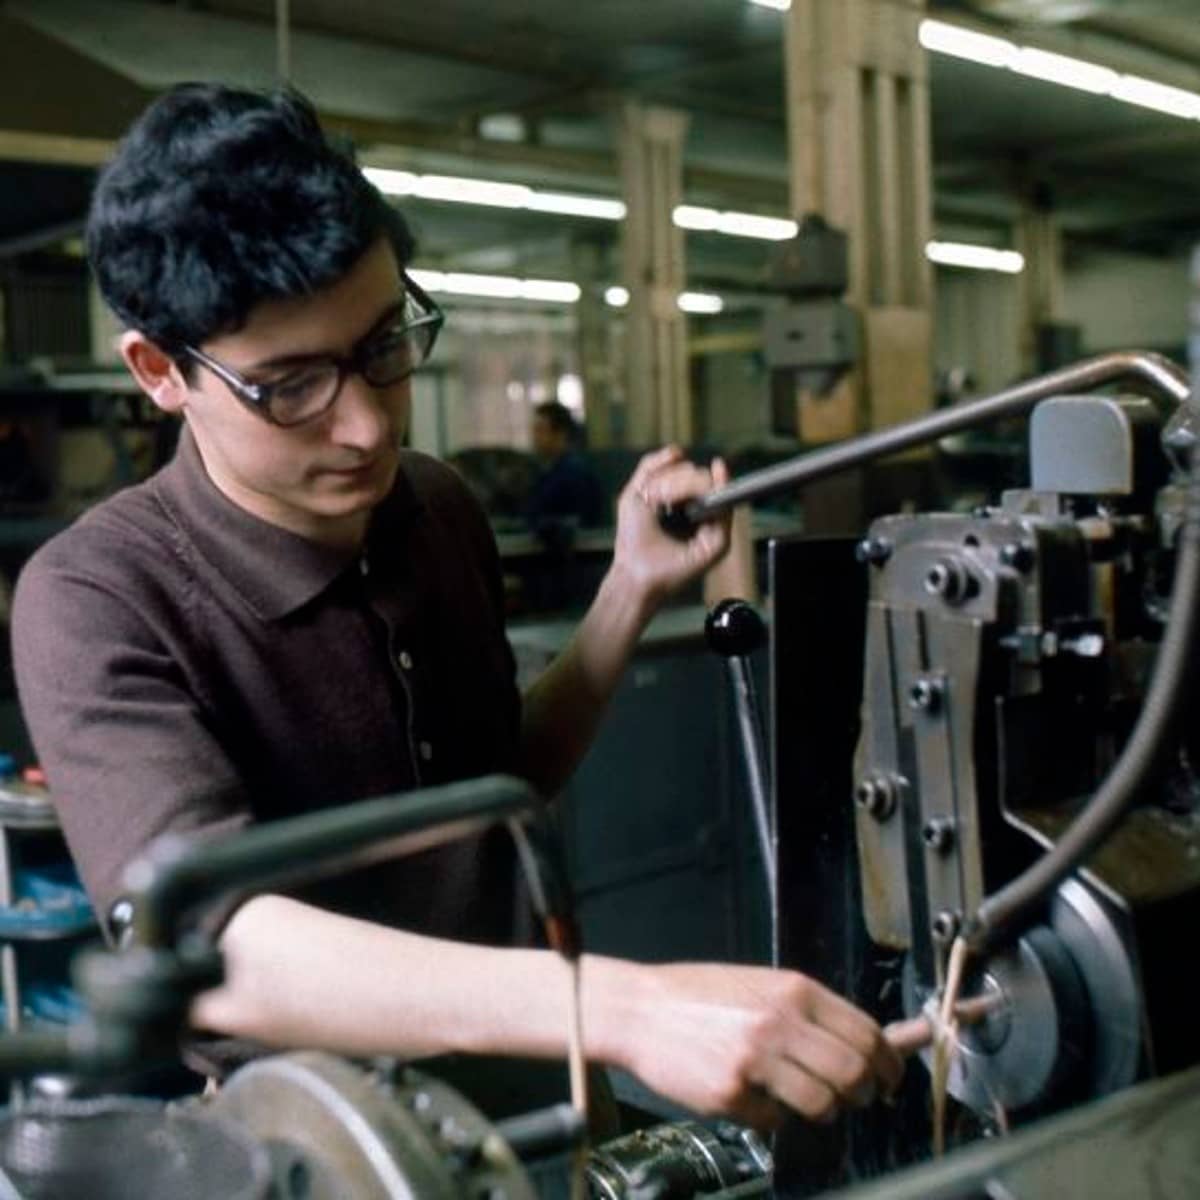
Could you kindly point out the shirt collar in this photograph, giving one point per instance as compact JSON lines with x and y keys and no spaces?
{"x":274,"y":570}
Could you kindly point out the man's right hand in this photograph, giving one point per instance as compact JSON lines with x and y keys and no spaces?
{"x":746,"y":1042}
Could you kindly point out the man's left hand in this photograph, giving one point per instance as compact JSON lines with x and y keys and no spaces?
{"x":657,"y":562}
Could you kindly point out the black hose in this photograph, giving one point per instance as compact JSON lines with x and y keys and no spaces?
{"x":1151,"y":738}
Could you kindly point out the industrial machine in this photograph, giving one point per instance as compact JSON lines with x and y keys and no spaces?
{"x":1008,"y":655}
{"x":1001,"y":693}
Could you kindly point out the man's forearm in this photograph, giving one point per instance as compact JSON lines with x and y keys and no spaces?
{"x":297,"y":976}
{"x":563,"y":709}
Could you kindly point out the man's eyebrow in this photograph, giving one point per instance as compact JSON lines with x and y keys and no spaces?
{"x":285,"y":360}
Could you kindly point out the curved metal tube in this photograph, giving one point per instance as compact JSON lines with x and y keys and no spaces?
{"x":178,"y":876}
{"x":1158,"y":373}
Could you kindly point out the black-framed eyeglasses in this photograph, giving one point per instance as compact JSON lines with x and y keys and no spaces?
{"x":386,"y":356}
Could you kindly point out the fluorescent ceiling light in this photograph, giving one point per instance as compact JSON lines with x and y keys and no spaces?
{"x":944,"y":38}
{"x":772,"y":229}
{"x":1148,"y":94}
{"x":391,"y":183}
{"x":430,"y":281}
{"x":1068,"y":72}
{"x":700,"y":302}
{"x":780,"y":5}
{"x":689,"y":302}
{"x":497,"y":287}
{"x":979,"y":258}
{"x":458,"y":190}
{"x":691,"y":216}
{"x":966,"y":43}
{"x":736,"y":224}
{"x":555,"y":290}
{"x":503,"y":127}
{"x":576,"y":206}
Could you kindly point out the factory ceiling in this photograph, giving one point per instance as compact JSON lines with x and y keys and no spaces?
{"x":525,"y":91}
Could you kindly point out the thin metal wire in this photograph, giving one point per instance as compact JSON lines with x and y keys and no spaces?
{"x":945,"y":1040}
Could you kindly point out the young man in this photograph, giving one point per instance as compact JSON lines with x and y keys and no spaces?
{"x":297,"y":613}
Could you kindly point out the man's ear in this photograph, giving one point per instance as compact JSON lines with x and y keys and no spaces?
{"x":155,"y":371}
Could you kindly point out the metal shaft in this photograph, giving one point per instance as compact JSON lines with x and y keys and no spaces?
{"x":908,"y":1036}
{"x":754,"y":752}
{"x":1159,"y":373}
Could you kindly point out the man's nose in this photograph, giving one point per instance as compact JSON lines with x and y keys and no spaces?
{"x":362,"y":418}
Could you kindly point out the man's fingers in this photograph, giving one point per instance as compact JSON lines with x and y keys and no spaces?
{"x":803,"y":1092}
{"x":675,"y":482}
{"x":852,"y":1026}
{"x":650,"y":463}
{"x":841,"y":1066}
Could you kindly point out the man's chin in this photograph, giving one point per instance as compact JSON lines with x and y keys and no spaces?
{"x":373,"y":478}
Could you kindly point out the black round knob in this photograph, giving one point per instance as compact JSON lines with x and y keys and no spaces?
{"x":733,"y":629}
{"x":677,"y":522}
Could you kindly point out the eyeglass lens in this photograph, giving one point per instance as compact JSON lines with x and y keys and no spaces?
{"x":391,"y":355}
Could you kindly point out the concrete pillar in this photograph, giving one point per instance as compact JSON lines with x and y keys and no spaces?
{"x":859,"y":156}
{"x":650,"y":153}
{"x":593,"y":328}
{"x":1038,"y":237}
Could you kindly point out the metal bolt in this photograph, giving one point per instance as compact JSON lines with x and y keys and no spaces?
{"x":876,"y":795}
{"x":938,"y":834}
{"x":453,"y":1134}
{"x":926,"y":694}
{"x":873,"y":550}
{"x":945,"y":927}
{"x":951,"y":581}
{"x":1017,"y":555}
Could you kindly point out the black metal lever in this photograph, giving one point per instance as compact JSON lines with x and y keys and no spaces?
{"x":734,"y":630}
{"x":1159,"y":375}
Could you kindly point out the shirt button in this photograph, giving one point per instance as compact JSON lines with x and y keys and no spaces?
{"x":405,"y":660}
{"x":426,"y":751}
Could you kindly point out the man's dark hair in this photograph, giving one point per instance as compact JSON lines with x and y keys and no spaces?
{"x":558,"y":417}
{"x":220,"y":198}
